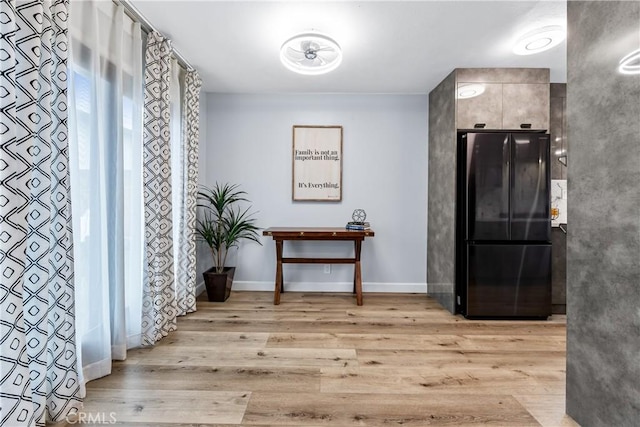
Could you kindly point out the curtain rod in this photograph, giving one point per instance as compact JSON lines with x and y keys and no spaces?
{"x":135,"y":14}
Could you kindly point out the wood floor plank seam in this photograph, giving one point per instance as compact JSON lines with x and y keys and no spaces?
{"x":318,"y":360}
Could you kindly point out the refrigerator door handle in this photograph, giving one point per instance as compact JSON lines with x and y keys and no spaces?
{"x":507,"y":154}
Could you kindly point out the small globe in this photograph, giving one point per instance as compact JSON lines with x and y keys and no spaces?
{"x":359,"y":215}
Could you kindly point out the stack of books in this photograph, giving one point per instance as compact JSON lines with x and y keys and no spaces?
{"x":358,"y":225}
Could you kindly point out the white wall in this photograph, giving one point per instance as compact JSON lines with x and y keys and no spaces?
{"x":249,"y":142}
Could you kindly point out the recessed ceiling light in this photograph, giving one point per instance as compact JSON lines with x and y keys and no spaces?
{"x":311,"y":54}
{"x":630,"y":64}
{"x":539,"y":40}
{"x":470,"y":90}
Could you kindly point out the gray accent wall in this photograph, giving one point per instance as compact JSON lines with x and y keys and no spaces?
{"x":603,"y":247}
{"x":442,"y":194}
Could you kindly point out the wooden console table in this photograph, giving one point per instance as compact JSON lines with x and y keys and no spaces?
{"x":280,"y":234}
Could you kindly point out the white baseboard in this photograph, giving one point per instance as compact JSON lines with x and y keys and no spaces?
{"x":405,"y":288}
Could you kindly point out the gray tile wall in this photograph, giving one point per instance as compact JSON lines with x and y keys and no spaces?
{"x":603,"y":246}
{"x":441,"y":193}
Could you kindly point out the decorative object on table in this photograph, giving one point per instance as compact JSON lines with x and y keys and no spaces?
{"x":223,"y":225}
{"x":358,"y":216}
{"x":317,"y":163}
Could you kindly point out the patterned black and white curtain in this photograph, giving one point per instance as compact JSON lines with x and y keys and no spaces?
{"x":38,"y":364}
{"x":159,"y":303}
{"x":186,"y":252}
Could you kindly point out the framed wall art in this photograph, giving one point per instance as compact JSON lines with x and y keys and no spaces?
{"x":317,"y":163}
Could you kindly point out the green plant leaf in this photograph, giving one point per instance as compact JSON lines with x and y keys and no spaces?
{"x":223,"y":224}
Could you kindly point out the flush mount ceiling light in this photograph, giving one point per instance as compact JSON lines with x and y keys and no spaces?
{"x":539,"y":40}
{"x":470,"y":90}
{"x":630,"y":64}
{"x":311,"y":54}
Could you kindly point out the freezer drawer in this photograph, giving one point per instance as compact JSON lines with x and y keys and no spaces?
{"x":508,"y":280}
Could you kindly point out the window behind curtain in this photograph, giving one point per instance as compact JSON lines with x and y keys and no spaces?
{"x":178,"y":182}
{"x":106,"y":181}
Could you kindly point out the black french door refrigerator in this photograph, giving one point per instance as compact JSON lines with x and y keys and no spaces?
{"x":503,"y":232}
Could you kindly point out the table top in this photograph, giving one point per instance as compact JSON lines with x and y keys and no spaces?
{"x":318,"y":232}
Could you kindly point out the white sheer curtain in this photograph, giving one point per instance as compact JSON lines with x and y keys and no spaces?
{"x":177,"y":169}
{"x":106,"y":181}
{"x":183,"y":177}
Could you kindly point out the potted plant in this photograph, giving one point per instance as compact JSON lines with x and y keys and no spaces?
{"x":222,"y":226}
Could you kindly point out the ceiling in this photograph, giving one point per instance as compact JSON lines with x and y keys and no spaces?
{"x":399,"y":47}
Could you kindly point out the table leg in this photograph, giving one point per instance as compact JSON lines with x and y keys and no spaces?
{"x":358,"y":273}
{"x":281,"y":279}
{"x":354,"y":278}
{"x":355,"y":251}
{"x":278,"y":284}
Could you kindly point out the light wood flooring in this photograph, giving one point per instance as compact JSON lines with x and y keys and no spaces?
{"x":319,"y":360}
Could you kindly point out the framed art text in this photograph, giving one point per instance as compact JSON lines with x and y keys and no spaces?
{"x":317,"y":163}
